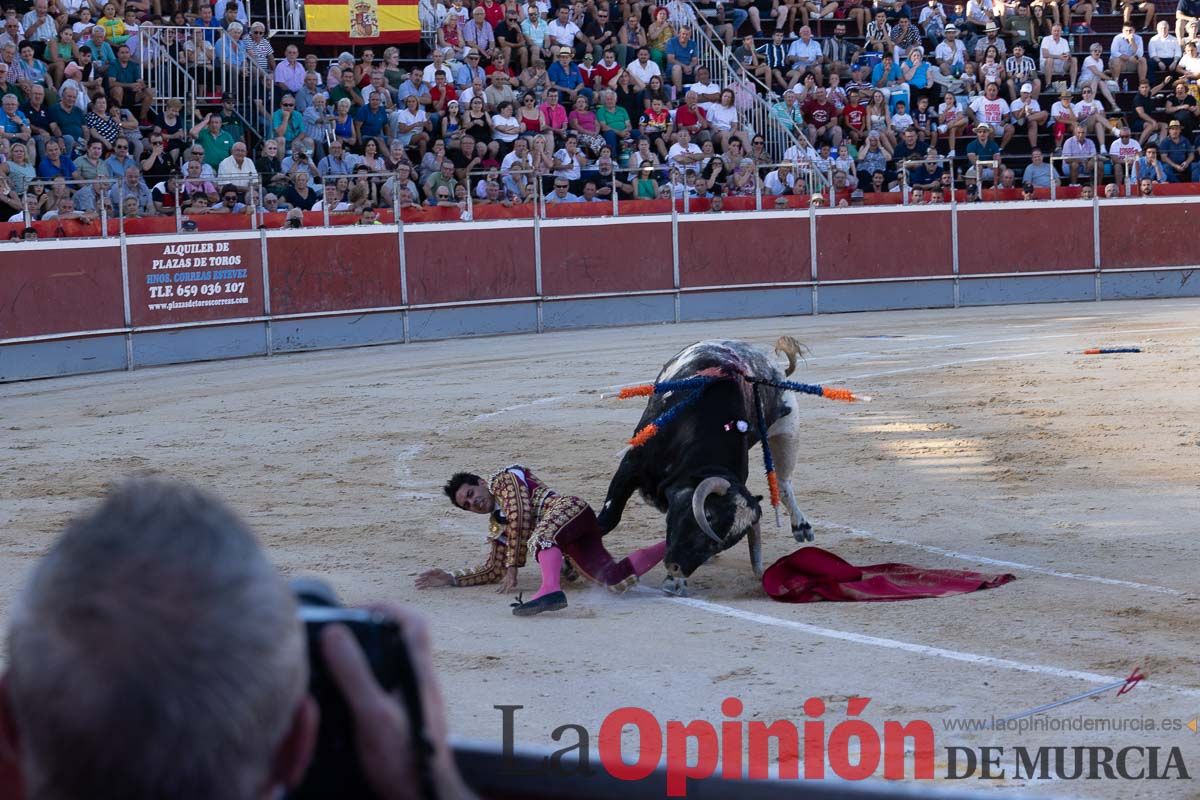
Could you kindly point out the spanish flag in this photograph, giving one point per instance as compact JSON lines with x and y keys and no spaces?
{"x":361,"y":22}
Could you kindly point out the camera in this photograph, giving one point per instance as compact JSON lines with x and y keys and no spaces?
{"x":335,"y":770}
{"x":292,"y":222}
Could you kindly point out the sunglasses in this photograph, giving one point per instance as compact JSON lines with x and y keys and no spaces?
{"x":289,"y":105}
{"x":122,"y":147}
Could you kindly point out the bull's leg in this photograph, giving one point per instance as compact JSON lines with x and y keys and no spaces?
{"x":755,"y":541}
{"x":784,"y":438}
{"x":620,"y":489}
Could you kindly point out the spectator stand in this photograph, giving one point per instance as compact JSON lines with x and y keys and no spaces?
{"x":180,"y":64}
{"x":750,"y":94}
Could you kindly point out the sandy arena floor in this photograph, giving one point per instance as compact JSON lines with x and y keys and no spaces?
{"x":990,"y":437}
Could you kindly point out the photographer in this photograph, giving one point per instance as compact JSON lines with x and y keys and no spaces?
{"x":155,"y":652}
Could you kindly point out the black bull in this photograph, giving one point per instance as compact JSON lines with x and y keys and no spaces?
{"x":695,"y":468}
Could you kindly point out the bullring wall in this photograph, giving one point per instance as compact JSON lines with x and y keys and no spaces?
{"x":88,"y":305}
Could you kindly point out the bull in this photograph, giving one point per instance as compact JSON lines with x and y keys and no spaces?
{"x":694,"y":470}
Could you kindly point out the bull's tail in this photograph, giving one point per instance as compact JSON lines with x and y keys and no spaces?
{"x":789,"y":347}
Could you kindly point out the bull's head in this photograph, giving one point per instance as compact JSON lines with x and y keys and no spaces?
{"x":702,"y":522}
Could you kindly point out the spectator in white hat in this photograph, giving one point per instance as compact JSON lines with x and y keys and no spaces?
{"x":1027,"y":113}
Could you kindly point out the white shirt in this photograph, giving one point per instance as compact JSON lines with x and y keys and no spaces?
{"x":1190,"y":64}
{"x":228,"y":171}
{"x":643,"y":74}
{"x":680,"y":14}
{"x":1166,"y":47}
{"x":805,"y":53}
{"x":1031,"y":107}
{"x":341,"y":205}
{"x":1083,"y":110}
{"x":385,"y":97}
{"x":992,"y":112}
{"x":1091,"y":63}
{"x":406,"y":117}
{"x":506,"y":167}
{"x":955,"y":55}
{"x":799,"y":154}
{"x":722,"y":118}
{"x":932,"y":12}
{"x":430,"y":72}
{"x":677,"y":150}
{"x":1123,"y":150}
{"x":572,"y":171}
{"x":1061,"y":112}
{"x":562,"y":34}
{"x":1052,"y":48}
{"x":497,"y":121}
{"x":773,"y":185}
{"x":706,"y":88}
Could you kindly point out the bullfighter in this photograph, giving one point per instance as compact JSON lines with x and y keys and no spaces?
{"x":527,"y":516}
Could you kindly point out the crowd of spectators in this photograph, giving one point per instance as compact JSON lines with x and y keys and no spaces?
{"x":582,"y":100}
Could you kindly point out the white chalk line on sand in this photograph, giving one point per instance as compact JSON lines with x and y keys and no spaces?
{"x":912,"y":647}
{"x":922,"y":367}
{"x":1076,"y":576}
{"x":518,"y":406}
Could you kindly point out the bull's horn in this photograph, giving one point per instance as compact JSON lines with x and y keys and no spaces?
{"x":707,"y":486}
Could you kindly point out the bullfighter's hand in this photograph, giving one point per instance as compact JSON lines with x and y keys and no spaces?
{"x":433,"y":577}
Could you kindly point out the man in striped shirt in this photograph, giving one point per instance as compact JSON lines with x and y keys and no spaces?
{"x":774,"y":53}
{"x":258,"y":49}
{"x":1021,"y":69}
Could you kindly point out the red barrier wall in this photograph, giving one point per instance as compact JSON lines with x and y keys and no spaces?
{"x":716,"y":251}
{"x":199,"y":281}
{"x":994,"y":240}
{"x":331,"y":273}
{"x":46,"y":291}
{"x":588,"y":259}
{"x":885,"y":245}
{"x":469,"y":264}
{"x":1143,"y":236}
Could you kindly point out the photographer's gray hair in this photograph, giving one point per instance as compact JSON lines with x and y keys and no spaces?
{"x":161,"y":592}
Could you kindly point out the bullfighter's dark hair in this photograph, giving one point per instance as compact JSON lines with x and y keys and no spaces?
{"x":457,"y":481}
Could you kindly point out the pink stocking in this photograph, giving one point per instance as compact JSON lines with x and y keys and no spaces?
{"x":644,"y":560}
{"x":550,"y":561}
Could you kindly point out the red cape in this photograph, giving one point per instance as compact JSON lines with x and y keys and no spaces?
{"x":811,"y":574}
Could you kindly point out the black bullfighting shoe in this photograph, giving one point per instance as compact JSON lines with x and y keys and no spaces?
{"x":554,"y":601}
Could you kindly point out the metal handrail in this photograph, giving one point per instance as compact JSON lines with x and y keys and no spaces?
{"x":284,"y":17}
{"x":760,"y":117}
{"x":251,"y":87}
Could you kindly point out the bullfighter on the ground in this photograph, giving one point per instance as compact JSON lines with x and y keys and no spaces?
{"x":529,"y":516}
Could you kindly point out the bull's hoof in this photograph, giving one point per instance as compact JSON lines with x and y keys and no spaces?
{"x":569,"y":573}
{"x":676,"y":587}
{"x":802,"y":532}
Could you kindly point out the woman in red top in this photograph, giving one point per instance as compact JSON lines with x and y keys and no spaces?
{"x":532,"y":120}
